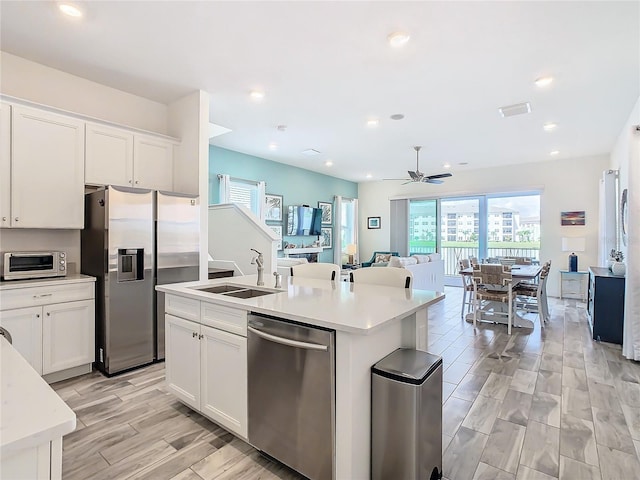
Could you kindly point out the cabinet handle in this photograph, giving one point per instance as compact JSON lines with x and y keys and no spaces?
{"x":43,"y":295}
{"x":48,"y":314}
{"x":194,"y":334}
{"x":137,"y":182}
{"x":37,"y":315}
{"x":17,"y":219}
{"x":200,"y":337}
{"x":129,"y":181}
{"x":4,"y":219}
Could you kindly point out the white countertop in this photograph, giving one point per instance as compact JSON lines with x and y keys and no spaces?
{"x":356,"y":308}
{"x":45,"y":282}
{"x":31,"y":412}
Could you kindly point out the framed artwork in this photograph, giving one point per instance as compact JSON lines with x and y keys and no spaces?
{"x":273,"y":207}
{"x":278,"y":231}
{"x":326,"y":237}
{"x":572,"y":218}
{"x":327,"y":212}
{"x":373,"y":223}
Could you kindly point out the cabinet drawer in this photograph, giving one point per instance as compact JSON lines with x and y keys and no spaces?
{"x":230,"y":320}
{"x":35,"y":296}
{"x":182,"y":307}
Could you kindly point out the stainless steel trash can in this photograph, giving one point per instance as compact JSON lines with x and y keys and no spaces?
{"x":406,"y":416}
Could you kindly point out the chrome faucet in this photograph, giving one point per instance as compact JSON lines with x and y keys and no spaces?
{"x":259,"y":261}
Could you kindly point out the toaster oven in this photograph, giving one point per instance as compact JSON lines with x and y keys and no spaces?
{"x":23,"y":265}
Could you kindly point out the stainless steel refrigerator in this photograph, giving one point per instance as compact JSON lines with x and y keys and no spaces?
{"x":177,"y":249}
{"x":118,"y":247}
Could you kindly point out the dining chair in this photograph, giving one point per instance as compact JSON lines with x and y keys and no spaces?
{"x":534,"y":296}
{"x":473,"y":261}
{"x":390,"y":276}
{"x":493,"y":283}
{"x":523,"y":261}
{"x":467,"y":286}
{"x":322,"y":271}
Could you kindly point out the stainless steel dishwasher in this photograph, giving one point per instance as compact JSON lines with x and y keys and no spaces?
{"x":291,"y":393}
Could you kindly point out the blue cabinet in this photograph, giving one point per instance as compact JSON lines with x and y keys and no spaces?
{"x":605,"y":309}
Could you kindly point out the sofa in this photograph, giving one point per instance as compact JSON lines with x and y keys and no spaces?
{"x":379,"y":259}
{"x":427,"y":270}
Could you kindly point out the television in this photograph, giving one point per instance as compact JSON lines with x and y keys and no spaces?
{"x":303,"y":220}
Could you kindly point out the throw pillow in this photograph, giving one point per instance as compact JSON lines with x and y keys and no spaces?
{"x":381,"y":257}
{"x":402,"y":261}
{"x":422,"y":258}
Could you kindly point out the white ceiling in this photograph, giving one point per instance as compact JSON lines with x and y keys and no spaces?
{"x":327,"y":68}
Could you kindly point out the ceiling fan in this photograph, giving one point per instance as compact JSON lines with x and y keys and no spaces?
{"x":418,"y":176}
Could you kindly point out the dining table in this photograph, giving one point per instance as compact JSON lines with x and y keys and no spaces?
{"x":519,"y":273}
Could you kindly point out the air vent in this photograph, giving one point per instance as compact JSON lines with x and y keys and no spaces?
{"x":310,"y":152}
{"x":517,"y":109}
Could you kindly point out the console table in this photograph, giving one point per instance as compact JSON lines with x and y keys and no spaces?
{"x":606,"y":305}
{"x":573,"y":285}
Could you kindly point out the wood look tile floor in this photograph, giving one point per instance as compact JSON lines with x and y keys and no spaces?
{"x":539,"y":404}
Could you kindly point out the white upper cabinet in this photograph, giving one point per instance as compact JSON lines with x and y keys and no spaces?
{"x":47,"y":169}
{"x":109,"y":156}
{"x":153,"y":163}
{"x":5,"y":165}
{"x":116,"y":156}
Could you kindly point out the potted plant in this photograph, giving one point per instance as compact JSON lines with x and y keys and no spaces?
{"x":616,"y":263}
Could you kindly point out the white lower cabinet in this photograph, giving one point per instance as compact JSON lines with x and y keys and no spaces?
{"x":68,"y":335}
{"x":206,"y":368}
{"x":52,"y":327}
{"x":25,"y":327}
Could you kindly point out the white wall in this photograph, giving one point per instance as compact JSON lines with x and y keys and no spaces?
{"x":566,"y":185}
{"x":38,"y":83}
{"x":189,"y":121}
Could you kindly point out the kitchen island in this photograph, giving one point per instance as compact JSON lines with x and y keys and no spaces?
{"x":33,"y":419}
{"x":369,"y":321}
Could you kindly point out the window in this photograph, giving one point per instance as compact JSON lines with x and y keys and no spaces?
{"x":248,"y":193}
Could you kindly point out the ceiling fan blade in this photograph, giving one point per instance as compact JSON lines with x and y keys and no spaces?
{"x":397,"y":179}
{"x":441,"y":175}
{"x":432,"y":180}
{"x":414,"y":175}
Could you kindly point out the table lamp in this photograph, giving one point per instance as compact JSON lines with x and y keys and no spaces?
{"x":573,"y":244}
{"x":351,"y":251}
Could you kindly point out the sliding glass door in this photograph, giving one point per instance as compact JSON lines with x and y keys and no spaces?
{"x":423,"y":226}
{"x":513,"y":225}
{"x":460,"y":231}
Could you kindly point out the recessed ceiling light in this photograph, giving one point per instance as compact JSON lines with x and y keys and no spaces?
{"x":257,"y":94}
{"x":372,"y":123}
{"x":369,"y":175}
{"x":328,"y":163}
{"x":281,"y":128}
{"x":397,"y":116}
{"x":553,"y":153}
{"x":544,"y":81}
{"x":398,"y":39}
{"x":549,"y":126}
{"x":70,"y":10}
{"x":273,"y":146}
{"x":463,"y":163}
{"x":446,"y":165}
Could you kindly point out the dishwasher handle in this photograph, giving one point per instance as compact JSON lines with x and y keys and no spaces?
{"x":288,"y":342}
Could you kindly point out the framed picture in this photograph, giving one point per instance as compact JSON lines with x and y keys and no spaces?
{"x":572,"y":218}
{"x":326,"y":237}
{"x":273,"y":207}
{"x":373,"y":223}
{"x":327,"y":212}
{"x":278,"y":231}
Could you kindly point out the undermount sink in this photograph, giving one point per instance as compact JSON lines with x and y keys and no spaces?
{"x":236,"y":291}
{"x":221,"y":289}
{"x":248,"y":293}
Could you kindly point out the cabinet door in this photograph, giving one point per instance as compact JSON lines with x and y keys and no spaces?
{"x":25,"y":327}
{"x":182,"y":360}
{"x":109,"y":156}
{"x":224,"y":379}
{"x":5,"y":165}
{"x":68,"y":335}
{"x":47,"y":169}
{"x":153,"y":163}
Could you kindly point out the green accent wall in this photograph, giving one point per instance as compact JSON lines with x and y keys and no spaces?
{"x":296,"y":185}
